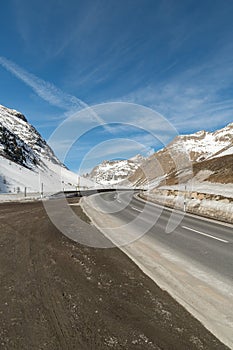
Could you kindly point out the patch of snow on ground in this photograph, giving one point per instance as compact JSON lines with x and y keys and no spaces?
{"x":14,"y":178}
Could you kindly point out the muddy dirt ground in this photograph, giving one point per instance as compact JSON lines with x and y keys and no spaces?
{"x":57,"y":294}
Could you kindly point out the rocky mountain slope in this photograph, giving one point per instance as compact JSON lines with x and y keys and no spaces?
{"x":20,"y":141}
{"x":178,"y":157}
{"x":114,"y":172}
{"x":177,"y":162}
{"x":193,"y":173}
{"x":26,"y":160}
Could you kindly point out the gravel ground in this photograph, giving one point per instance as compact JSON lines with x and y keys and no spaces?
{"x":58,"y":294}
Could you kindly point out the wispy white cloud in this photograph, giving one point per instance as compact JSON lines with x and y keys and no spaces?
{"x":194,"y":99}
{"x":47,"y":91}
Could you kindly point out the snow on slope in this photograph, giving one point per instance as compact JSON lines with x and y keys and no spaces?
{"x":17,"y":132}
{"x":113,"y":172}
{"x":204,"y":145}
{"x":27,"y":161}
{"x":14,"y":178}
{"x":184,"y":149}
{"x":223,"y":153}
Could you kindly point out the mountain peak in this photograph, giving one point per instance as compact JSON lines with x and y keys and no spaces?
{"x":138,"y":158}
{"x":12,"y":112}
{"x":115,"y":171}
{"x":26,"y":160}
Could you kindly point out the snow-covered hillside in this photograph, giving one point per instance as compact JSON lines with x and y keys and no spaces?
{"x":20,"y":141}
{"x":182,"y":151}
{"x":113,"y":172}
{"x":205,"y":145}
{"x":26,"y":160}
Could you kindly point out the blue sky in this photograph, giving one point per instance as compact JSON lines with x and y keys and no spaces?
{"x":175,"y":57}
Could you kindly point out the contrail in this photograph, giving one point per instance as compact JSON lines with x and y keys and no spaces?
{"x":46,"y":90}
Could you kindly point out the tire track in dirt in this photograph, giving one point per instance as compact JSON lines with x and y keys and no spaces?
{"x":57,"y":294}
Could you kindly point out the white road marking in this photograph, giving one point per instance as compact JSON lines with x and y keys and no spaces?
{"x":74,"y":204}
{"x":136,"y":209}
{"x":118,"y":200}
{"x":206,"y":234}
{"x":195,"y":216}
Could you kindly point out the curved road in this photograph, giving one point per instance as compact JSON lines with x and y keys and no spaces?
{"x":189,"y":256}
{"x":207,"y":242}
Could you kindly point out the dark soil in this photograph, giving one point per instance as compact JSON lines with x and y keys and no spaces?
{"x":222,"y":168}
{"x":57,"y":294}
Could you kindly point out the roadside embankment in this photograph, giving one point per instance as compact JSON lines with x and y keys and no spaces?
{"x":213,"y":206}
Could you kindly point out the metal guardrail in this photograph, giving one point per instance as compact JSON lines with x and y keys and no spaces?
{"x":82,"y":193}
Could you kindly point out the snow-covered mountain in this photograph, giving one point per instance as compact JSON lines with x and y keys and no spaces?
{"x":20,"y":142}
{"x":115,"y":171}
{"x":26,"y":160}
{"x":184,"y":150}
{"x":205,"y":145}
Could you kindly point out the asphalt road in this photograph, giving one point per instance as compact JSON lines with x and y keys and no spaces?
{"x":207,"y":242}
{"x":189,"y":256}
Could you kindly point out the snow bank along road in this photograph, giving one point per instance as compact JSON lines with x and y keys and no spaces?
{"x":194,"y":262}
